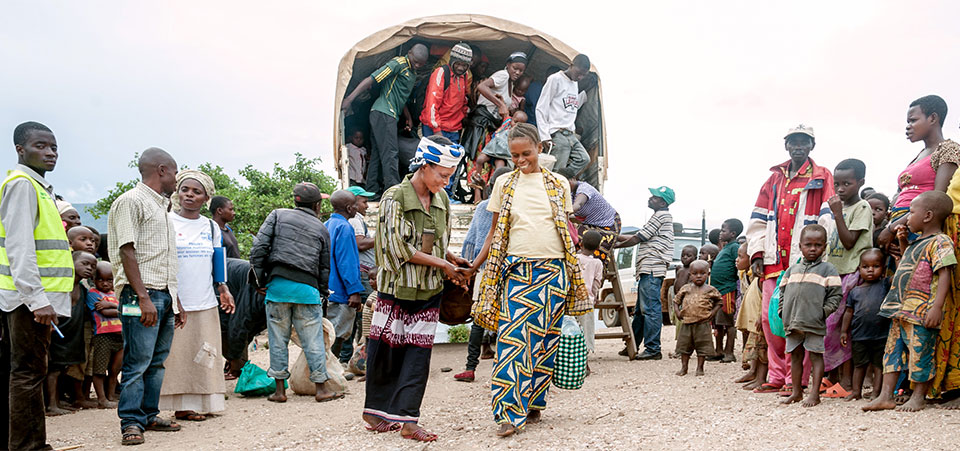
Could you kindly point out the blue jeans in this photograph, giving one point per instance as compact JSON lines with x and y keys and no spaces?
{"x":452,"y":136}
{"x":144,"y":351}
{"x":308,"y":320}
{"x":647,"y":315}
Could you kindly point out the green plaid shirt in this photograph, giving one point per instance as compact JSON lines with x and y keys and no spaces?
{"x":401,"y":223}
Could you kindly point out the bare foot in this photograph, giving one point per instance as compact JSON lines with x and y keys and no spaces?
{"x":682,"y":372}
{"x":533,"y":417}
{"x":880,"y":403}
{"x":85,"y":404}
{"x":106,"y":405}
{"x":753,"y":384}
{"x":915,"y":404}
{"x":794,"y":397}
{"x":952,"y":405}
{"x":699,"y":373}
{"x":852,"y":397}
{"x":812,"y":399}
{"x":277,"y":397}
{"x":506,"y":430}
{"x":747,"y":377}
{"x":56,"y":411}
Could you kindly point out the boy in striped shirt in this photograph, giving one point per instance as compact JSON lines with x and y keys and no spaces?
{"x":809,"y":292}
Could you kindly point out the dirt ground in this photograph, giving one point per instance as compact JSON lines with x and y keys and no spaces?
{"x":621,"y":405}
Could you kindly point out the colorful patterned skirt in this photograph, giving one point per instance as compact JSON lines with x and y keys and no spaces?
{"x":527,"y":337}
{"x":608,"y":237}
{"x":398,"y":357}
{"x":947,"y":352}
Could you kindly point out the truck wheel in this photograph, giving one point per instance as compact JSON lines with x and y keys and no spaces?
{"x":610,"y":317}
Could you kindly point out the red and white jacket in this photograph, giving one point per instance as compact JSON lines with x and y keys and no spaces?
{"x":445,"y":106}
{"x":811,"y":208}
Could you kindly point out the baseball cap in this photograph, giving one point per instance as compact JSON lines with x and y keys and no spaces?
{"x":800,"y":130}
{"x":359,"y":191}
{"x":307,"y":193}
{"x":665,"y":193}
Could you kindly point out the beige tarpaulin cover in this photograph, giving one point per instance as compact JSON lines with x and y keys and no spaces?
{"x":471,"y":28}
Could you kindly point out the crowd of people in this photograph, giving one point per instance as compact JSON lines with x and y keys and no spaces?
{"x":833,"y":287}
{"x":460,"y":102}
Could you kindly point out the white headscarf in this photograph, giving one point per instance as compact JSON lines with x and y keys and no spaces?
{"x":447,"y":156}
{"x":204,"y":180}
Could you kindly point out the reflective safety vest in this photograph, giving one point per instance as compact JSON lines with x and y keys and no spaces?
{"x":53,"y":250}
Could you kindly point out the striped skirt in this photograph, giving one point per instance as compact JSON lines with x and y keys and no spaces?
{"x":527,"y":337}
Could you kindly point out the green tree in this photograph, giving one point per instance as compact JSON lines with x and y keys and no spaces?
{"x":253,"y":200}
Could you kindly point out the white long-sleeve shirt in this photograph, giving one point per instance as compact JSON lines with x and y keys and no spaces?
{"x":558,"y":105}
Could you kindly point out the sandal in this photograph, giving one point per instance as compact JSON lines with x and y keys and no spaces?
{"x":132,"y":436}
{"x":786,"y":390}
{"x":230,"y":377}
{"x":767,"y":388}
{"x":191,"y":416}
{"x":421,"y":435}
{"x":836,"y":391}
{"x":825,"y":385}
{"x":333,"y":397}
{"x":161,"y":425}
{"x":384,"y":426}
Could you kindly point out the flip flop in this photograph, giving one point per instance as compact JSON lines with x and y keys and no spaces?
{"x":332,"y":398}
{"x":162,"y":425}
{"x":384,"y":426}
{"x":767,"y":388}
{"x":421,"y":435}
{"x":786,"y":390}
{"x":192,"y":416}
{"x":825,"y":385}
{"x":836,"y":391}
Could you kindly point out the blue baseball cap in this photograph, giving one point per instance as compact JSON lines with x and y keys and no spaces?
{"x":359,"y":191}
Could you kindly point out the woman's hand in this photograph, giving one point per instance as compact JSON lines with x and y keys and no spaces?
{"x":226,"y":300}
{"x":453,"y":273}
{"x":757,"y":267}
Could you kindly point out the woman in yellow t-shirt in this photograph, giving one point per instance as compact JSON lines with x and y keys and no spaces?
{"x":530,"y":282}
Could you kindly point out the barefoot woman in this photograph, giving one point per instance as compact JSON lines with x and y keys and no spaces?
{"x":531,"y":281}
{"x":412,"y":254}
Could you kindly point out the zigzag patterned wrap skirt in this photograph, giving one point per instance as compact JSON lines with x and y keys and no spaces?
{"x":528,"y":334}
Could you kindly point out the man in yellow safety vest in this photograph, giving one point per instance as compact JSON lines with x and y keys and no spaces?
{"x":36,"y":277}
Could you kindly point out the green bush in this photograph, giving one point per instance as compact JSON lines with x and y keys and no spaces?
{"x":459,"y":333}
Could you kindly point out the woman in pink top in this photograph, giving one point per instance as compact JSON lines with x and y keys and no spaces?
{"x":932,"y":168}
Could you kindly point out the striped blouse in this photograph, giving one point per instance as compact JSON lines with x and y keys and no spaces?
{"x":401,"y":225}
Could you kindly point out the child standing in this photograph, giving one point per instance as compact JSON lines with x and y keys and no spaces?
{"x":592,"y":270}
{"x":358,"y":159}
{"x":107,"y":353}
{"x":724,"y":277}
{"x":809,"y":292}
{"x":687,"y":256}
{"x":748,"y":322}
{"x":915,"y":301}
{"x":67,"y":348}
{"x":697,"y":302}
{"x":880,"y":206}
{"x":869,"y":333}
{"x":852,"y":236}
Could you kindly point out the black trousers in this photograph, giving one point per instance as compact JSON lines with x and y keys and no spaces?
{"x":382,"y":172}
{"x":23,"y":364}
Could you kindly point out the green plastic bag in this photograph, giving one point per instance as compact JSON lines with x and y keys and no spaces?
{"x":776,"y":323}
{"x":253,"y":381}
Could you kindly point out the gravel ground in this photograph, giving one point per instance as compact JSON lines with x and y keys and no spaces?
{"x":621,"y":405}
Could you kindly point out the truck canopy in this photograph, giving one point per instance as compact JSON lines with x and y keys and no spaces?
{"x":496,"y":38}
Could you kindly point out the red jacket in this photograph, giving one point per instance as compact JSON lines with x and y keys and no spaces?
{"x":444,"y":109}
{"x":775,"y":222}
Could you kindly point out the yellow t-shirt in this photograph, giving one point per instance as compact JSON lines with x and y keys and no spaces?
{"x":532,"y":231}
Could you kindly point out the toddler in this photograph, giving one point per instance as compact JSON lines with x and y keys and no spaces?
{"x":107,"y":353}
{"x":915,"y":301}
{"x":809,"y":292}
{"x":708,"y":253}
{"x":697,"y":303}
{"x":869,"y":333}
{"x":748,"y":322}
{"x":358,"y":159}
{"x":592,"y":269}
{"x":880,"y":207}
{"x":687,"y":256}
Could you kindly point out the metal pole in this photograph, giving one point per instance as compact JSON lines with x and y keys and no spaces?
{"x":703,"y":228}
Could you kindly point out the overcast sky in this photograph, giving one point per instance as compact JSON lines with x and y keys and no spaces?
{"x":698,"y":95}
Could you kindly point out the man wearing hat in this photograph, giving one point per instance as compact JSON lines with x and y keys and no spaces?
{"x":291,"y":260}
{"x":654,"y":253}
{"x":445,"y":104}
{"x":795,"y":195}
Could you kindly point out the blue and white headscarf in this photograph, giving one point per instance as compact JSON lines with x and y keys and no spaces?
{"x":447,"y":156}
